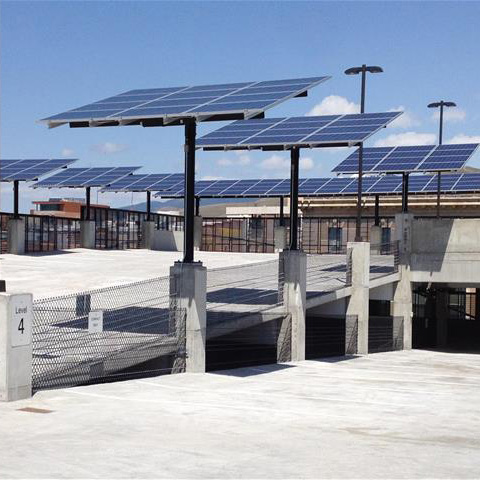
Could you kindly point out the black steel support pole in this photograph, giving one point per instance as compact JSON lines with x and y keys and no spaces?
{"x":15,"y":198}
{"x":282,"y":217}
{"x":294,"y":165}
{"x":440,"y":134}
{"x":87,"y":201}
{"x":377,"y":210}
{"x":439,"y":188}
{"x":149,"y":205}
{"x":197,"y":206}
{"x":405,"y":193}
{"x":189,"y":198}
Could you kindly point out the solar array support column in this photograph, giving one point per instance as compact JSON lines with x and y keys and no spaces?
{"x":15,"y":199}
{"x":149,"y":205}
{"x":377,"y":210}
{"x":189,"y":199}
{"x":282,"y":217}
{"x":87,"y":201}
{"x":439,"y":187}
{"x":197,"y":206}
{"x":405,"y":193}
{"x":294,"y":166}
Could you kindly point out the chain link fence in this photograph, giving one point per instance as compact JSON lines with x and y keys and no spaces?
{"x":107,"y":334}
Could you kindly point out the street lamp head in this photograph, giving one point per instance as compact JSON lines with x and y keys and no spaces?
{"x":363,"y":68}
{"x":439,"y":104}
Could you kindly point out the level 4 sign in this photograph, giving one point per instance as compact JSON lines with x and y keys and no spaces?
{"x":95,"y":321}
{"x":21,"y":320}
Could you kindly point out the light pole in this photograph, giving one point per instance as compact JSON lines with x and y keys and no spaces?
{"x":440,"y":105}
{"x":355,"y":71}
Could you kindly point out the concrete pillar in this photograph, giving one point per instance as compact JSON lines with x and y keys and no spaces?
{"x":197,"y":232}
{"x":148,"y":234}
{"x":295,"y":297}
{"x":280,"y":239}
{"x":376,"y":239}
{"x":16,"y":236}
{"x":87,"y":234}
{"x":358,"y":256}
{"x":188,"y":282}
{"x":441,"y":314}
{"x":402,"y":304}
{"x":15,"y":346}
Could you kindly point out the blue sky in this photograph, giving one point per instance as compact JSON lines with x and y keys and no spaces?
{"x":60,"y":55}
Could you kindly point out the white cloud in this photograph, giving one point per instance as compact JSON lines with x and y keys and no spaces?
{"x":108,"y":148}
{"x":67,"y":152}
{"x":275,"y":162}
{"x":462,"y":138}
{"x":241,"y":159}
{"x":306,"y":163}
{"x":450,"y":115}
{"x":407,"y":138}
{"x":211,"y":177}
{"x":406,"y":120}
{"x":334,"y":105}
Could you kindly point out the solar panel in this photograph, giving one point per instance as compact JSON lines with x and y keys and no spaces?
{"x":204,"y":102}
{"x":146,"y":182}
{"x":319,"y":187}
{"x":85,"y":177}
{"x":28,"y":170}
{"x":419,"y":158}
{"x":280,"y":133}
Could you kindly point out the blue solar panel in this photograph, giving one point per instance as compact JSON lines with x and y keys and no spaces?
{"x":86,"y":177}
{"x":420,"y":158}
{"x":447,"y":182}
{"x":387,"y":184}
{"x":467,"y":183}
{"x":300,"y":131}
{"x":367,"y":183}
{"x":30,"y":169}
{"x":242,"y":100}
{"x":335,"y":185}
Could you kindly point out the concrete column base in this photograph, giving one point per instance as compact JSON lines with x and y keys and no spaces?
{"x":16,"y":236}
{"x":15,"y":346}
{"x":280,"y":239}
{"x":197,"y":232}
{"x":188,"y":283}
{"x":376,"y":239}
{"x":358,"y":254}
{"x":87,"y":234}
{"x":148,"y":234}
{"x":295,"y":298}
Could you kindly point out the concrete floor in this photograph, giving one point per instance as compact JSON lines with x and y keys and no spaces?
{"x":391,"y":415}
{"x":70,"y":271}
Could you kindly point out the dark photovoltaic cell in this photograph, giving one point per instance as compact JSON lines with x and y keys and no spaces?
{"x":85,"y":177}
{"x":419,"y":158}
{"x":282,"y":133}
{"x":28,"y":170}
{"x":234,"y":100}
{"x":149,"y":182}
{"x":318,"y":187}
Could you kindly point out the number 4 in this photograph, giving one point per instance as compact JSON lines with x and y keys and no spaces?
{"x":21,"y":328}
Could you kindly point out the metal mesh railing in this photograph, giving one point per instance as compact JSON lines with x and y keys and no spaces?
{"x":4,"y":217}
{"x":143,"y":333}
{"x":326,"y":273}
{"x":384,"y":259}
{"x":240,"y":291}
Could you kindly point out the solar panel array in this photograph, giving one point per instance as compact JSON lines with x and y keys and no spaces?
{"x":85,"y":177}
{"x":147,"y":182}
{"x":420,"y":158}
{"x":244,"y":99}
{"x":296,"y":131}
{"x":27,"y":170}
{"x":387,"y":184}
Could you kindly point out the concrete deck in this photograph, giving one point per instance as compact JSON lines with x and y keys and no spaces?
{"x":71,"y":271}
{"x":408,"y":414}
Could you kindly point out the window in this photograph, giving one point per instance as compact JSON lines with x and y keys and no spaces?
{"x":386,"y":239}
{"x":334,"y":239}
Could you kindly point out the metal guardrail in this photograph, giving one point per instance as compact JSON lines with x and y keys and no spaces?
{"x":384,"y":259}
{"x":326,"y":273}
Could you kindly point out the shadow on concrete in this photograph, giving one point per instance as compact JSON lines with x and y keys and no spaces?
{"x":343,"y":358}
{"x":253,"y":371}
{"x":243,"y":296}
{"x":49,"y":254}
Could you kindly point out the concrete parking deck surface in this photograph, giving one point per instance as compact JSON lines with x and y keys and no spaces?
{"x":392,"y":415}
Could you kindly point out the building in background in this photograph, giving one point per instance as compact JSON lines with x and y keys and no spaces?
{"x":61,"y":207}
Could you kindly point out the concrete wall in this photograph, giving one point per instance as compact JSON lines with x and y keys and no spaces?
{"x":166,"y":240}
{"x":445,"y":250}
